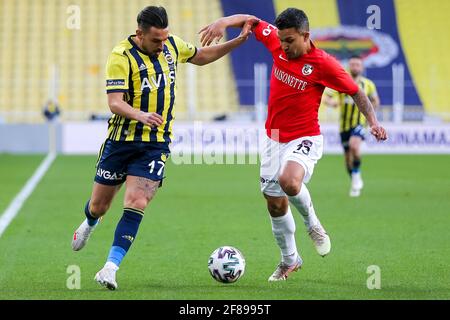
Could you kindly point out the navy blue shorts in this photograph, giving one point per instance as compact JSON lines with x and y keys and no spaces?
{"x":117,"y":159}
{"x":358,"y":131}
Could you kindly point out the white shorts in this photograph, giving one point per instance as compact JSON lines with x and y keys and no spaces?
{"x":305,"y":150}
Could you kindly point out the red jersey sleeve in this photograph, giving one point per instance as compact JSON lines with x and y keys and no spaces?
{"x":267,"y":34}
{"x":335,"y":77}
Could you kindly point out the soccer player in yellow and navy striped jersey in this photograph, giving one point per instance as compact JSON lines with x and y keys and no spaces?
{"x":352,"y":124}
{"x":141,"y":75}
{"x":149,"y":85}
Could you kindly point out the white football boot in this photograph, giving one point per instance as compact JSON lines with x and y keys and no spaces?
{"x":357,"y":185}
{"x":81,"y":235}
{"x":282,"y":271}
{"x":354,"y":193}
{"x":107,"y":276}
{"x":321,"y":239}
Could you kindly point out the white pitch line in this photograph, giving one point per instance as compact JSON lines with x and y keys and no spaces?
{"x":15,"y":206}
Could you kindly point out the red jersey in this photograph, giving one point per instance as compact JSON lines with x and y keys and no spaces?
{"x":296,"y":87}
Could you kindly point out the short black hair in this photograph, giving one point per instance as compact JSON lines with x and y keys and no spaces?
{"x":356,"y":56}
{"x":292,"y":18}
{"x":152,"y":16}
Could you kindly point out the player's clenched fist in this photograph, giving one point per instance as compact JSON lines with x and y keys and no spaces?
{"x":151,"y":119}
{"x":248,"y":27}
{"x":378,"y":132}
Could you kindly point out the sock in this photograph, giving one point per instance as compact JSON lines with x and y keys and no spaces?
{"x":349,"y":170}
{"x":125,"y":234}
{"x":90,"y":219}
{"x":116,"y":255}
{"x":303,"y":203}
{"x":356,"y":165}
{"x":283,"y":229}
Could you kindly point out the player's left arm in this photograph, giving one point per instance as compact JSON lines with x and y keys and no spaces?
{"x":210,"y":54}
{"x":365,"y":106}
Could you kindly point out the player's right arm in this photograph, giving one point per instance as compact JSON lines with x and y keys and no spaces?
{"x":118,"y":106}
{"x":117,"y":75}
{"x":216,"y":30}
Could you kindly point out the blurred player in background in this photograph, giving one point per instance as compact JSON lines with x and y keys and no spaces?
{"x":299,"y":76}
{"x":140,"y":83}
{"x":352,"y":124}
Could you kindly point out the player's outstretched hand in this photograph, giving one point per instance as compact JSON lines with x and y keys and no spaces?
{"x":216,"y":30}
{"x":378,"y":132}
{"x":151,"y":119}
{"x":211,"y":32}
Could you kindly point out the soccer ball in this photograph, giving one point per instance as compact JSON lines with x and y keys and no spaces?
{"x":226,"y":264}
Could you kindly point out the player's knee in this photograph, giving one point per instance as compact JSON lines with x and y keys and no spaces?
{"x":354,"y":148}
{"x":276,"y":208}
{"x":137,"y":202}
{"x":290,"y":185}
{"x":354,"y":145}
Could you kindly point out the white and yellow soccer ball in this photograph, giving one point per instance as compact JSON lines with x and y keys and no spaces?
{"x":226,"y":264}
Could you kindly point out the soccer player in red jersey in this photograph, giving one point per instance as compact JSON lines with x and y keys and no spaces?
{"x":294,"y":143}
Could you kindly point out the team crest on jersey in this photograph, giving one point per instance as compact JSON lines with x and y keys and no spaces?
{"x":307,"y":69}
{"x":168,"y":58}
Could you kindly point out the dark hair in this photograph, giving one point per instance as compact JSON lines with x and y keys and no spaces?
{"x":152,"y":16}
{"x":355,"y":56}
{"x":292,"y":18}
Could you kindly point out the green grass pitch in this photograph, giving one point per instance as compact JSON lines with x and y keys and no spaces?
{"x":400,"y":223}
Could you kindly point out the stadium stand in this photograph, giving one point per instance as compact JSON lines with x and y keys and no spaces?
{"x":39,"y":38}
{"x":41,"y":45}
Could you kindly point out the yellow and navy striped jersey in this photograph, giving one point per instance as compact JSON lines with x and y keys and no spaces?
{"x":149,"y":84}
{"x":350,"y":116}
